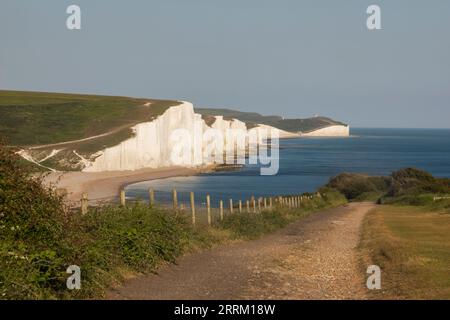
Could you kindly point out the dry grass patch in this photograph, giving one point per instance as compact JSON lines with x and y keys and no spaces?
{"x":412,"y":247}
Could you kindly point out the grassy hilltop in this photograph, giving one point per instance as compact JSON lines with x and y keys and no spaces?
{"x":36,"y":118}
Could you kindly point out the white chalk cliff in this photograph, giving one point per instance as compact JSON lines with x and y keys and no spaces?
{"x":331,"y":131}
{"x":151,"y":146}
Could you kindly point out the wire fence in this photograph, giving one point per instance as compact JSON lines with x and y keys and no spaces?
{"x":200,"y":209}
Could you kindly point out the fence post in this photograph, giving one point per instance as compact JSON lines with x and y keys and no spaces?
{"x":240,"y":206}
{"x":254,"y":204}
{"x":208,"y":208}
{"x":221,"y":210}
{"x":248,"y":206}
{"x":193,"y":207}
{"x":231,"y":205}
{"x":84,"y":204}
{"x":259,"y":204}
{"x":151,"y":196}
{"x":122,"y":198}
{"x":175,"y":199}
{"x":265,"y":204}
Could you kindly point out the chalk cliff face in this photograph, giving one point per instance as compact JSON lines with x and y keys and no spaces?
{"x":151,"y":146}
{"x":331,"y":131}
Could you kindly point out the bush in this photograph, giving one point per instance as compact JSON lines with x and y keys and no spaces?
{"x":357,"y":186}
{"x":411,"y":181}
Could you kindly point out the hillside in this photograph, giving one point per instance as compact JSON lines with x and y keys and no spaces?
{"x":253,"y":118}
{"x":37,"y":118}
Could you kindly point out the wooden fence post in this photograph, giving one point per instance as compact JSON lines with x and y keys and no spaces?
{"x":270,"y":203}
{"x":248,"y":206}
{"x":193,"y":207}
{"x":208,"y":208}
{"x":122,"y":198}
{"x":231,"y":205}
{"x":240,"y":206}
{"x":151,"y":196}
{"x":175,"y":199}
{"x":254,"y":204}
{"x":259,"y":204}
{"x":265,"y":204}
{"x":221,"y":210}
{"x":84,"y":204}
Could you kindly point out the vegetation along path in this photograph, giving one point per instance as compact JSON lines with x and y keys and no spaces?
{"x":313,"y":258}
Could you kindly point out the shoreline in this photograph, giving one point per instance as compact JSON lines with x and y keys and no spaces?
{"x":107,"y":184}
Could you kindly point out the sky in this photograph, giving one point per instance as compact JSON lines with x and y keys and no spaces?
{"x":293,"y":58}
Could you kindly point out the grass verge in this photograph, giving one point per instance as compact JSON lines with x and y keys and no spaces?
{"x":412,"y":247}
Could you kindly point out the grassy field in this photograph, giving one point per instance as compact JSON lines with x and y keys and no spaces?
{"x":412,"y":247}
{"x":35,"y":118}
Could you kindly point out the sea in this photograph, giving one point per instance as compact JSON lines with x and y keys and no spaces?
{"x":305,"y":164}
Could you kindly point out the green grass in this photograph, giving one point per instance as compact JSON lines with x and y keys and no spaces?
{"x":412,"y":247}
{"x":35,"y":118}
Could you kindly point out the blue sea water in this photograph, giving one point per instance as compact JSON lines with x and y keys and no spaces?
{"x":308,"y":163}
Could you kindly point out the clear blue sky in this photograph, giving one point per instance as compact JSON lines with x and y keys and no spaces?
{"x":289,"y":57}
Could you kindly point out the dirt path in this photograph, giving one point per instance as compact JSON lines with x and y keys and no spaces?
{"x":314,"y":258}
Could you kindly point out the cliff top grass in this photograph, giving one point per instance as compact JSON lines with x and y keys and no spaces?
{"x":39,"y":118}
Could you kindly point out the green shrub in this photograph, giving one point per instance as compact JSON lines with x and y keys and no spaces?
{"x":411,"y":181}
{"x":356,"y":186}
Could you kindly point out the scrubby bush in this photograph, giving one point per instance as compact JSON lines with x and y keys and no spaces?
{"x":32,"y":223}
{"x":409,"y":186}
{"x":359,"y":186}
{"x":411,"y":181}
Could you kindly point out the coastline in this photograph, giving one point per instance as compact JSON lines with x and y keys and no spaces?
{"x":106,"y":184}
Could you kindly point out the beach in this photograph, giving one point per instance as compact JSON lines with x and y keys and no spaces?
{"x":106,"y":185}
